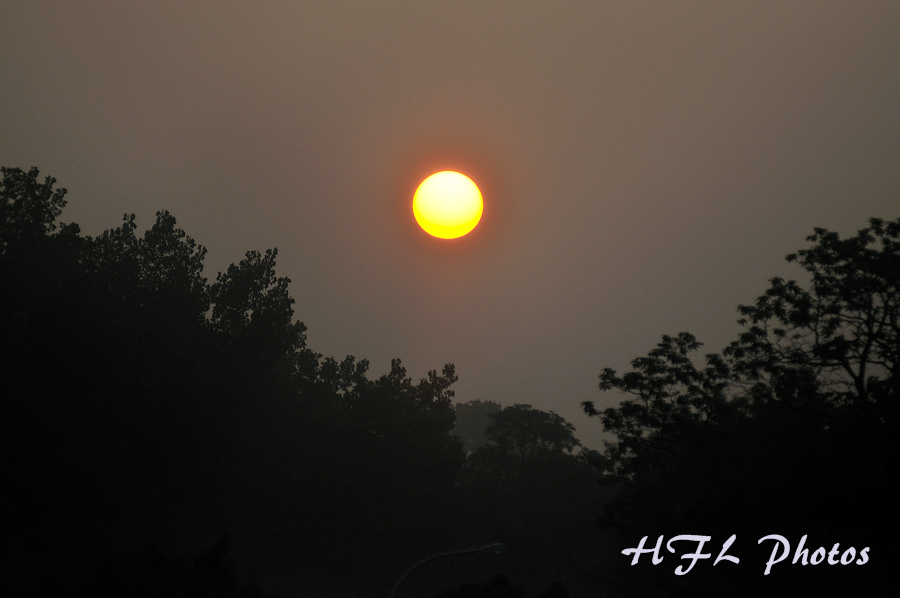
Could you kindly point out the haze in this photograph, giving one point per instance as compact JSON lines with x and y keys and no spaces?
{"x":645,"y":167}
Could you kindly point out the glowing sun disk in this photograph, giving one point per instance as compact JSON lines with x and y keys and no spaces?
{"x":448,"y":205}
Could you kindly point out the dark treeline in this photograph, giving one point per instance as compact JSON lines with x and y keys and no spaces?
{"x":172,"y":436}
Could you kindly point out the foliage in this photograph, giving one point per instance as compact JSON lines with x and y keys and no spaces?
{"x":789,"y":427}
{"x":154,"y":406}
{"x":841,"y":332}
{"x":28,"y":208}
{"x":522,"y":442}
{"x":823,"y":348}
{"x":404,"y":427}
{"x":523,"y":431}
{"x":673,"y":398}
{"x":250,"y":299}
{"x":159,"y":275}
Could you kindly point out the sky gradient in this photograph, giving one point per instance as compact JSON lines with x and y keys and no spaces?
{"x":645,"y":166}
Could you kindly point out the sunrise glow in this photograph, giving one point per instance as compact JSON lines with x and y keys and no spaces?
{"x":448,"y":205}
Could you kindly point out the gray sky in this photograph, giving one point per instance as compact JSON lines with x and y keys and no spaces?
{"x":645,"y":165}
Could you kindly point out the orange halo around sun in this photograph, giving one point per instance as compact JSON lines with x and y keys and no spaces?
{"x":448,"y":205}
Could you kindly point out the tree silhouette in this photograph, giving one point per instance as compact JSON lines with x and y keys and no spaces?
{"x":789,"y":427}
{"x":520,"y":441}
{"x":841,"y":332}
{"x":530,"y":486}
{"x":524,"y":431}
{"x":145,"y":404}
{"x":28,"y":208}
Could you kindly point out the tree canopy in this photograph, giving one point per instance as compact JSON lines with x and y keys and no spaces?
{"x":790,"y":426}
{"x":149,"y":411}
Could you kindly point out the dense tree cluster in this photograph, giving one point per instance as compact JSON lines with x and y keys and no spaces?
{"x":149,"y":411}
{"x":168,"y":435}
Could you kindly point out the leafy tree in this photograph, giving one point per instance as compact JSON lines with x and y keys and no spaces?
{"x":524,"y":443}
{"x":788,"y":427}
{"x":260,"y":343}
{"x":841,"y":331}
{"x":403,"y":430}
{"x":28,"y":208}
{"x":38,"y":259}
{"x":827,"y":347}
{"x":395,"y":415}
{"x":171,"y":267}
{"x":672,"y":398}
{"x":521,"y":443}
{"x":151,"y":286}
{"x":249,"y":296}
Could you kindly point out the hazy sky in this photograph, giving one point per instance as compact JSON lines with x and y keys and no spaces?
{"x":645,"y":165}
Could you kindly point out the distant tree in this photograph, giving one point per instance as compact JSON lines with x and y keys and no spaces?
{"x":524,"y":431}
{"x":524,"y":444}
{"x":250,"y":293}
{"x":392,"y":407}
{"x":533,"y":487}
{"x":171,"y":266}
{"x":472,"y":421}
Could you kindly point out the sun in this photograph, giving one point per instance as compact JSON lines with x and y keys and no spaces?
{"x":448,"y":205}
